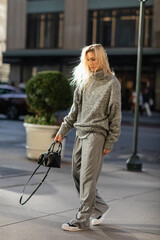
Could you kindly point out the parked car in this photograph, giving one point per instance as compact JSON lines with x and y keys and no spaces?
{"x":12,"y":102}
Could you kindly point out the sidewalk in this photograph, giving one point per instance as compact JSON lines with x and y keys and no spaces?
{"x":133,"y":197}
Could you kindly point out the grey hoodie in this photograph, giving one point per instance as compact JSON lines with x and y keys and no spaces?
{"x":96,"y":109}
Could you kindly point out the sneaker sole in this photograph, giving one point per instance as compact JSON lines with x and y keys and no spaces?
{"x":95,"y":222}
{"x":71,"y":229}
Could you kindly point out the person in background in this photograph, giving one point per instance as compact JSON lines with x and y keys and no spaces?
{"x":96,"y":114}
{"x":133,"y":100}
{"x":146,"y":98}
{"x":141,"y":103}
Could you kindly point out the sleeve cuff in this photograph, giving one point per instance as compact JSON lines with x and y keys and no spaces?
{"x":63,"y":134}
{"x":109,"y":145}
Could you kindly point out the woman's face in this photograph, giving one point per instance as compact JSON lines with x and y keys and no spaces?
{"x":93,"y":63}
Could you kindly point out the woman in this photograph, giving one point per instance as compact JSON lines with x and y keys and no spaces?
{"x":96,"y":114}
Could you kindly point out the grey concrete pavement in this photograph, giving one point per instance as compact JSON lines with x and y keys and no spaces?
{"x":133,"y":197}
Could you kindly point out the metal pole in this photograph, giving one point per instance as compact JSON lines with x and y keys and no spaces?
{"x":134,"y":163}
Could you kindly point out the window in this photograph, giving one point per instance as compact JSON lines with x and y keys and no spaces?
{"x":118,"y":28}
{"x":6,"y":91}
{"x":125,"y":31}
{"x":45,"y":30}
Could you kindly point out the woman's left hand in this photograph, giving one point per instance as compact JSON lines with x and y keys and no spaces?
{"x":105,"y":151}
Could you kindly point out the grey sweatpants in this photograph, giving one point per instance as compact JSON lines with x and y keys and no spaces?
{"x":86,"y":166}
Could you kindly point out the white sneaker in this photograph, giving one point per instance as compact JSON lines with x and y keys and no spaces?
{"x":97,"y":221}
{"x":70,"y":227}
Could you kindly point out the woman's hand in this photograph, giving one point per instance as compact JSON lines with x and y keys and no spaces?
{"x":105,"y":151}
{"x":58,"y":138}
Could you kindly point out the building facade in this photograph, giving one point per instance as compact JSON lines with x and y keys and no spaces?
{"x":4,"y":68}
{"x":49,"y":34}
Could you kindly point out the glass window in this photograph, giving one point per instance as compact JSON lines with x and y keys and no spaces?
{"x":118,"y":28}
{"x":6,"y":91}
{"x":125,"y":31}
{"x":45,"y":30}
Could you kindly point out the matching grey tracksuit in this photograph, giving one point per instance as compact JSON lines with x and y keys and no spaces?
{"x":96,"y":114}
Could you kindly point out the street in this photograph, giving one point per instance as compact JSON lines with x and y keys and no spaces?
{"x":133,"y":197}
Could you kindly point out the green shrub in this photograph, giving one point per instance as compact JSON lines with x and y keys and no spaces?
{"x":47,"y":93}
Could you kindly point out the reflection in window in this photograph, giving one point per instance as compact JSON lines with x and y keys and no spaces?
{"x":45,"y":30}
{"x":118,"y":28}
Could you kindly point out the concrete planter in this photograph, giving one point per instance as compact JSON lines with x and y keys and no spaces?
{"x":39,"y":138}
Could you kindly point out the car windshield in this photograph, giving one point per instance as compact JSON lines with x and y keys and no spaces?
{"x":5,"y":91}
{"x":9,"y":90}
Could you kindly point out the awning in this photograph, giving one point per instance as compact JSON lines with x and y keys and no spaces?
{"x":74,"y":53}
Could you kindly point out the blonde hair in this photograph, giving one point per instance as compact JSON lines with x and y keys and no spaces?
{"x":81,"y":73}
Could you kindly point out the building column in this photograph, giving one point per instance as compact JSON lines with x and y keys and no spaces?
{"x":75,"y":25}
{"x":16,"y":33}
{"x":156,"y":27}
{"x":157,"y":89}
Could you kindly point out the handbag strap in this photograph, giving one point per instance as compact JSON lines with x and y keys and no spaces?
{"x":20,"y":200}
{"x":51,"y":147}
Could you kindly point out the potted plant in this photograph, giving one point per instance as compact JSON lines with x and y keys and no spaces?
{"x":47,"y":93}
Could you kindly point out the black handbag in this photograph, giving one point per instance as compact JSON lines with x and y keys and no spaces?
{"x":50,"y":159}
